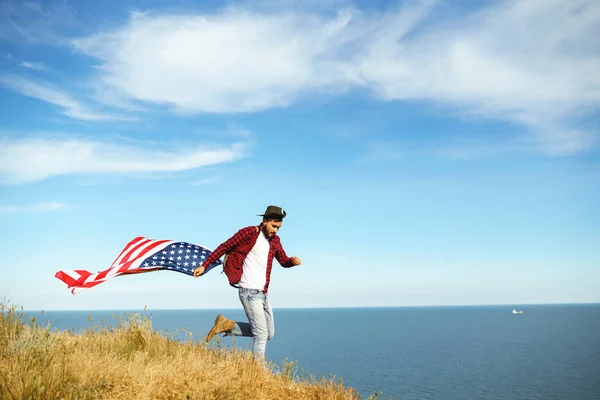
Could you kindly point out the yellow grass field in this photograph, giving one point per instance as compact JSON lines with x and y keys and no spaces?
{"x":132,"y":361}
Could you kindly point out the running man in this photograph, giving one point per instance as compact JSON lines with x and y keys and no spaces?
{"x":249,"y":258}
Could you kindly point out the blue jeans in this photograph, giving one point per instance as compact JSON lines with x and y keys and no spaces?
{"x":260,"y":323}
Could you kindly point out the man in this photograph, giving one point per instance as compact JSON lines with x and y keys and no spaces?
{"x":249,"y":258}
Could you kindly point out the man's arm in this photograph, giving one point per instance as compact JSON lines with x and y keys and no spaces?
{"x":283,"y":259}
{"x":227,"y":246}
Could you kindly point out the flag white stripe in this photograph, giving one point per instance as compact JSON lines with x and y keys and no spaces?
{"x":119,"y":260}
{"x":136,"y":256}
{"x":73,"y":274}
{"x":136,"y":264}
{"x":92,"y":278}
{"x":142,"y":250}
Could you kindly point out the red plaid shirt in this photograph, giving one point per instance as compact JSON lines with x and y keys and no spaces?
{"x":239,"y":245}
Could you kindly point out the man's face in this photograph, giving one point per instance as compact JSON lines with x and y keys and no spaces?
{"x":271,"y":227}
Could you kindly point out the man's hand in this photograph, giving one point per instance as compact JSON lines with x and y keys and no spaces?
{"x":296,"y":261}
{"x":198,"y":271}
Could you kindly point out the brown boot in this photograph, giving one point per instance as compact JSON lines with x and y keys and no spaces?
{"x":221,"y":325}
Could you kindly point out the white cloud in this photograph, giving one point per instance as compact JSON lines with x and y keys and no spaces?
{"x":38,"y":66}
{"x":47,"y":93}
{"x":531,"y":62}
{"x":35,"y":159}
{"x":36,"y":208}
{"x":237,"y":61}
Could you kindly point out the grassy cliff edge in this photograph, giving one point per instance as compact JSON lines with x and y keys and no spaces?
{"x":130,"y":360}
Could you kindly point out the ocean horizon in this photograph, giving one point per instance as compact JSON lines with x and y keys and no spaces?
{"x":321,"y":307}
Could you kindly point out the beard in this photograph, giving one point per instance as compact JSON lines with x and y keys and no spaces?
{"x":266,"y":232}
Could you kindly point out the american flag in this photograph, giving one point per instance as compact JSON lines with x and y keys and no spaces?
{"x":142,"y":255}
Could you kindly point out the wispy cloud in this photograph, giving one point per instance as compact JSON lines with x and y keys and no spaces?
{"x":205,"y":181}
{"x":530,"y":62}
{"x":45,"y":92}
{"x":35,"y":159}
{"x":527,"y":62}
{"x":38,"y":66}
{"x":36,"y":22}
{"x":35,"y":208}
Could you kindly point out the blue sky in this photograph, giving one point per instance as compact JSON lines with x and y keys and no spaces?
{"x":427,"y":152}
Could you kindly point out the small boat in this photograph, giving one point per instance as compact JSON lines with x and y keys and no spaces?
{"x":514,"y":311}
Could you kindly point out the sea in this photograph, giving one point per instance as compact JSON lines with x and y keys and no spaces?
{"x":445,"y":353}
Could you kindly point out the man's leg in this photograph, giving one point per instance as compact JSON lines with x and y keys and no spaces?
{"x":270,"y":319}
{"x":259,"y":326}
{"x":222,"y":325}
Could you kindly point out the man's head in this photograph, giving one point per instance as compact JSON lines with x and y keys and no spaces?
{"x":272,"y":219}
{"x":270,"y":225}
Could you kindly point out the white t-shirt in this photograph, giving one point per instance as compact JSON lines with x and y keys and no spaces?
{"x":254,"y":272}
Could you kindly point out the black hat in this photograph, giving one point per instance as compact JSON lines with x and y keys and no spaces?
{"x":274,"y":211}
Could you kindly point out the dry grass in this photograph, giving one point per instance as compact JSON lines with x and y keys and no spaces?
{"x":132,"y":361}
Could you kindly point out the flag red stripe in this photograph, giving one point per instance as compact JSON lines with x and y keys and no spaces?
{"x":142,"y":254}
{"x":69,"y":280}
{"x":66,"y":278}
{"x":139,"y":271}
{"x":137,"y":239}
{"x":103,"y":274}
{"x":95,"y":283}
{"x":126,"y":258}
